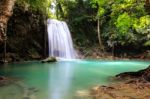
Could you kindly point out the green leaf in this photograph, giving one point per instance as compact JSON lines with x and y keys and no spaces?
{"x":147,"y":43}
{"x":123,"y":23}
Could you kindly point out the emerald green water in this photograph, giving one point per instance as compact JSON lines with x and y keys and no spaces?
{"x":63,"y":79}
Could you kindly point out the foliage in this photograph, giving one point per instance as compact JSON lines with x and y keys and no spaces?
{"x":142,"y":24}
{"x":101,"y":6}
{"x":41,"y":5}
{"x":147,"y":43}
{"x":79,"y":15}
{"x":127,"y":23}
{"x":123,"y":22}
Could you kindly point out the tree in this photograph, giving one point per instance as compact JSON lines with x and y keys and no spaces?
{"x":100,"y":6}
{"x":6,"y":8}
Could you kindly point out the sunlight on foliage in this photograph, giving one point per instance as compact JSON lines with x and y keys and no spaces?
{"x":129,"y":1}
{"x":41,"y":5}
{"x":142,"y":24}
{"x":101,"y":11}
{"x":147,"y":43}
{"x":99,"y":4}
{"x":123,"y":23}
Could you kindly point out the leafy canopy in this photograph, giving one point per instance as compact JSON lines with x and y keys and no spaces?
{"x":41,"y":5}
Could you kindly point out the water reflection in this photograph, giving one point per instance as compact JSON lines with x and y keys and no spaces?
{"x":60,"y":80}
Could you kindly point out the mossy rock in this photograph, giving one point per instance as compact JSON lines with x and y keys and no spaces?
{"x":49,"y":59}
{"x":3,"y":61}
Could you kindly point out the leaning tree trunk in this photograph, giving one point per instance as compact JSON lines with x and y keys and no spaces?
{"x":6,"y":9}
{"x":99,"y":35}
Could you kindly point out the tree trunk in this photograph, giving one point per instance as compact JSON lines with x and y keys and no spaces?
{"x":147,"y":6}
{"x":6,"y":8}
{"x":99,"y":35}
{"x":45,"y":39}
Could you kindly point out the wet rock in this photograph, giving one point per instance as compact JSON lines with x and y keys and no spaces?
{"x":2,"y":78}
{"x":122,"y":90}
{"x":35,"y":56}
{"x":141,"y":75}
{"x":133,"y":85}
{"x":95,"y":90}
{"x":10,"y":57}
{"x":82,"y":93}
{"x":49,"y":59}
{"x":5,"y":81}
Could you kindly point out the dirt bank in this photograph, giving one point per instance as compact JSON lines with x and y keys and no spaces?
{"x":132,"y":85}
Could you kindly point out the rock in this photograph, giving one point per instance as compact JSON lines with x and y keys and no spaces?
{"x":4,"y":81}
{"x":10,"y":57}
{"x":35,"y":56}
{"x":141,"y":74}
{"x":95,"y":90}
{"x":2,"y":78}
{"x":82,"y":93}
{"x":1,"y":62}
{"x":133,"y":85}
{"x":49,"y":59}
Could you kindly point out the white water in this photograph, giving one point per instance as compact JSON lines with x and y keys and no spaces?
{"x":59,"y":39}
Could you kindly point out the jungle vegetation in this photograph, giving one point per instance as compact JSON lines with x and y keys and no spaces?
{"x":113,"y":22}
{"x":107,"y":22}
{"x":104,"y":23}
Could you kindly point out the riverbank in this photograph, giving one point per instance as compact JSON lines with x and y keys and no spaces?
{"x":94,"y":52}
{"x":127,"y":90}
{"x":132,"y":85}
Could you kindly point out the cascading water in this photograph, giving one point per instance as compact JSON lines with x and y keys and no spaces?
{"x":60,"y":45}
{"x":59,"y":39}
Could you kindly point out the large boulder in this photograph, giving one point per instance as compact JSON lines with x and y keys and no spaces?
{"x":49,"y":59}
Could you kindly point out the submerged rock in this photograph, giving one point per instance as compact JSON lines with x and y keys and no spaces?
{"x":82,"y":93}
{"x":49,"y":59}
{"x":4,"y":81}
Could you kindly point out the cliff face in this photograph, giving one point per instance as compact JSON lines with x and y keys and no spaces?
{"x":26,"y":35}
{"x":6,"y":7}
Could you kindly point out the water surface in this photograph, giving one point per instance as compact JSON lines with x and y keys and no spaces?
{"x":61,"y":80}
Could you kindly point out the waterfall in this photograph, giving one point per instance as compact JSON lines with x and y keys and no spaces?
{"x":59,"y":40}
